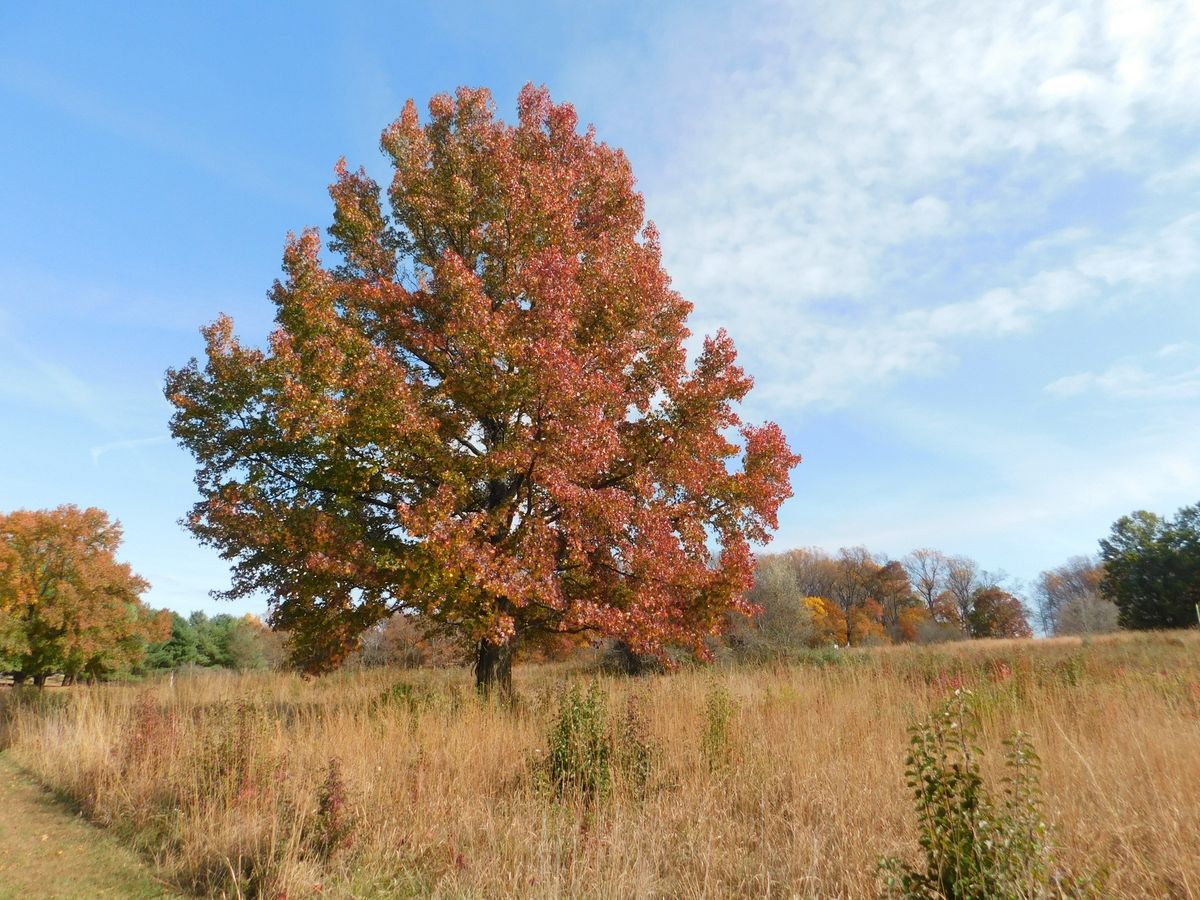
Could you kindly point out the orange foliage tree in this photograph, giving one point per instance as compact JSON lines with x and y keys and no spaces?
{"x":872,"y":592}
{"x":828,"y":621}
{"x":865,"y":625}
{"x":66,"y":604}
{"x":997,"y":613}
{"x":482,"y":412}
{"x":909,"y":621}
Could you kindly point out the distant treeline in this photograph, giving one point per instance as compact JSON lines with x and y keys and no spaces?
{"x":68,"y":608}
{"x":810,"y":598}
{"x":221,"y":641}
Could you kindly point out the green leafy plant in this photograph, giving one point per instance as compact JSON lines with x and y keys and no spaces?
{"x":580,"y":750}
{"x":976,"y":846}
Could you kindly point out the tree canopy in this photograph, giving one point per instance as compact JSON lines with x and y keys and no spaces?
{"x":66,"y":605}
{"x":220,"y":641}
{"x":483,"y":410}
{"x":997,"y":613}
{"x":1069,"y":600}
{"x":811,"y":598}
{"x":1152,"y":568}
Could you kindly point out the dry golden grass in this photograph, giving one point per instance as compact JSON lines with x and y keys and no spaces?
{"x":218,"y":779}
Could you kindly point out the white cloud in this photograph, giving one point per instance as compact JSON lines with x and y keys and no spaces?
{"x":1075,"y":84}
{"x":828,"y":363}
{"x":1133,"y":379}
{"x":1168,"y":255}
{"x":45,"y":382}
{"x":846,"y":155}
{"x":1183,"y":176}
{"x":1173,"y":349}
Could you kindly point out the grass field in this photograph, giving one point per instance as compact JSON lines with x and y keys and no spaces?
{"x":48,"y":853}
{"x":776,"y":781}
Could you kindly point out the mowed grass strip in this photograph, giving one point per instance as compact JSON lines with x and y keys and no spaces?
{"x":47,"y":851}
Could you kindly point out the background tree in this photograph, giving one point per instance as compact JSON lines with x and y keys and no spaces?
{"x":894,"y":593}
{"x":865,"y":624}
{"x":1068,"y":599}
{"x":946,"y":615}
{"x":809,"y":597}
{"x":927,"y":571}
{"x":996,"y":613}
{"x":222,"y":641}
{"x":782,"y":623}
{"x":910,"y":624}
{"x":815,"y":571}
{"x":246,"y":644}
{"x":873,"y":597}
{"x":12,"y":641}
{"x":68,"y":606}
{"x":975,"y":602}
{"x":181,"y":647}
{"x":829,"y":621}
{"x":872,"y":591}
{"x":404,"y":641}
{"x":852,"y":589}
{"x":1152,"y":568}
{"x":963,"y":580}
{"x":482,"y":413}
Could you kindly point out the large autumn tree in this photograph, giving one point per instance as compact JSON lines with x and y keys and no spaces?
{"x":481,"y":410}
{"x":66,"y":604}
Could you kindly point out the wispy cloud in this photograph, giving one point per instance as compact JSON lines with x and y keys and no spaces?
{"x":142,"y":126}
{"x":31,"y":293}
{"x":131,"y":444}
{"x":827,"y":363}
{"x":1148,"y":378}
{"x":51,"y":386}
{"x":33,"y":378}
{"x":864,"y":188}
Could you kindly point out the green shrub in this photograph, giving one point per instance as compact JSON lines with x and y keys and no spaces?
{"x":975,"y":846}
{"x":579,"y":747}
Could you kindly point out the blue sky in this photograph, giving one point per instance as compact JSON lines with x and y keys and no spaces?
{"x":958,"y":245}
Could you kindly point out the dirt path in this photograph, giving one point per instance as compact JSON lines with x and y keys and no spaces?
{"x":48,"y":852}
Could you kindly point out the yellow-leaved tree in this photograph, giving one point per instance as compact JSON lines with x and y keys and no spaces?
{"x":66,"y":605}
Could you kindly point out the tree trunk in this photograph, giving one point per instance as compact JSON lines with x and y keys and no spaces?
{"x":39,"y":680}
{"x":493,"y":668}
{"x":628,"y":662}
{"x":18,"y":678}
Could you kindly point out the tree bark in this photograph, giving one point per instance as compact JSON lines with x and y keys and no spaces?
{"x":628,"y":662}
{"x":39,"y":680}
{"x":18,"y":678}
{"x":493,"y":669}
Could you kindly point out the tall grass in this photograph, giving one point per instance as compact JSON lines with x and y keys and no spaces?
{"x":387,"y":784}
